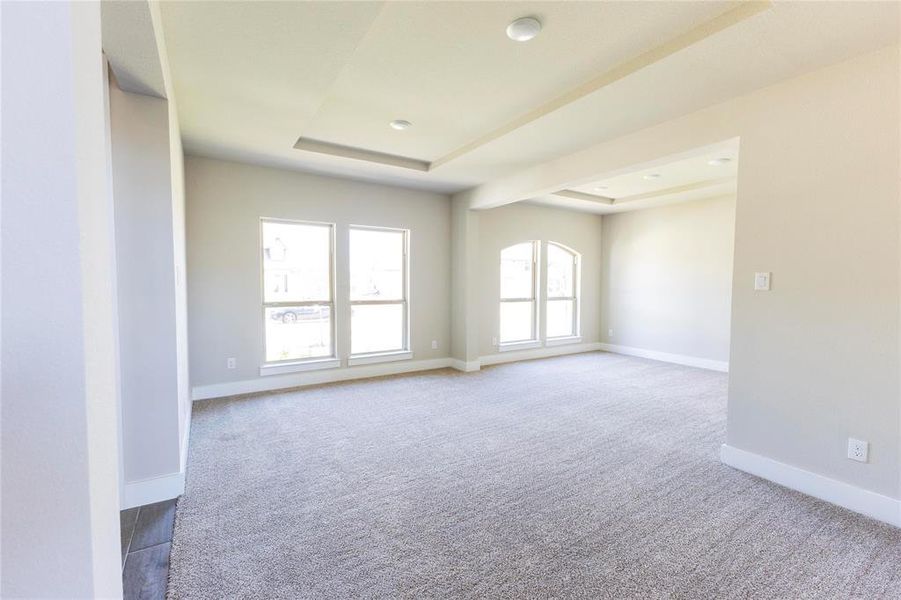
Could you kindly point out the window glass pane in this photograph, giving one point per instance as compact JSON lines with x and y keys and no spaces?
{"x":296,"y":332}
{"x":516,"y":321}
{"x":376,"y":264}
{"x":516,"y":271}
{"x":559,"y":272}
{"x":376,"y":328}
{"x":296,"y":262}
{"x":560,"y":318}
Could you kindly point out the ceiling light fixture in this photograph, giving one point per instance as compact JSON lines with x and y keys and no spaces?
{"x":716,"y":162}
{"x":523,"y":29}
{"x":651,"y":176}
{"x":600,"y":188}
{"x":400,"y":124}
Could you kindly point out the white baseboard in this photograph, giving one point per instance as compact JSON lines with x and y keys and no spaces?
{"x":859,"y":500}
{"x":516,"y":355}
{"x":291,"y":380}
{"x":157,"y":489}
{"x":466,"y":367}
{"x":679,"y":359}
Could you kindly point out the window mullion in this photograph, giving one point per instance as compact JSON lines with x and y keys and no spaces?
{"x":298,"y":303}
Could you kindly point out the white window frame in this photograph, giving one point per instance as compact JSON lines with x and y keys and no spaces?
{"x":534,"y":341}
{"x":404,"y":353}
{"x":270,"y":367}
{"x":576,"y":335}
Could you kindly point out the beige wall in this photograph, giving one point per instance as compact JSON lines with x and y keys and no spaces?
{"x":225,"y":203}
{"x":508,"y":225}
{"x":667,"y":278}
{"x":816,"y":360}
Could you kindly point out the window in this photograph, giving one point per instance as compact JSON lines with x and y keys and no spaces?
{"x":562,"y":292}
{"x":298,"y":298}
{"x":379,"y":319}
{"x":518,"y":319}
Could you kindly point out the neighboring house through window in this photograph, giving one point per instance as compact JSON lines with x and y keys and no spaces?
{"x":298,"y":290}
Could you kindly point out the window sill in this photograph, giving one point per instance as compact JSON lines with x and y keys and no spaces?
{"x":368,"y":359}
{"x":562,"y":341}
{"x":509,"y":347}
{"x":307,"y":365}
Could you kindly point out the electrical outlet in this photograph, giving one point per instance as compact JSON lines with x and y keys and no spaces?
{"x":762,"y":282}
{"x":231,"y":363}
{"x":494,"y":341}
{"x":610,"y":333}
{"x":858,"y":450}
{"x":434,"y":344}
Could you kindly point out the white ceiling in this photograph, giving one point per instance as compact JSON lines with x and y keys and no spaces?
{"x":252,"y":77}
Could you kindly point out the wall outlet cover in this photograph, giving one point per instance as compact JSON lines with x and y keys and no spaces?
{"x":858,"y":450}
{"x":762,"y":282}
{"x":231,"y":363}
{"x":434,"y":344}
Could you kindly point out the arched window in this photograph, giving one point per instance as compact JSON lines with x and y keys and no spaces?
{"x":562,"y":292}
{"x":519,"y":286}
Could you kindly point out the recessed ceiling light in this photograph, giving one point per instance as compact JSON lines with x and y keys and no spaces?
{"x":719,"y":161}
{"x":400,"y":124}
{"x":523,"y":29}
{"x":651,"y":176}
{"x":600,"y":188}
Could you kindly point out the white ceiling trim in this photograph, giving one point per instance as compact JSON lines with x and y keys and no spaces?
{"x":353,"y":153}
{"x":678,"y":189}
{"x":573,"y":194}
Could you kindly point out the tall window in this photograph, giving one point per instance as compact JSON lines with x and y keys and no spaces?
{"x":379,"y":320}
{"x":518,"y":320}
{"x":562,"y":291}
{"x":298,"y":298}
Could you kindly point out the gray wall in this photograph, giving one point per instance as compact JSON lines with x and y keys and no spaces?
{"x":816,"y":360}
{"x":464,"y":283}
{"x":813,"y":361}
{"x":502,"y":227}
{"x":225,"y":201}
{"x":667,"y":278}
{"x":58,"y":444}
{"x":179,"y":255}
{"x":145,"y":248}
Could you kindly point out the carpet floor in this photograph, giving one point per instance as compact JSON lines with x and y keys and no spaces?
{"x":587,"y":476}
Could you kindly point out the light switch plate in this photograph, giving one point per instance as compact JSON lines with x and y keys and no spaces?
{"x":761,"y":282}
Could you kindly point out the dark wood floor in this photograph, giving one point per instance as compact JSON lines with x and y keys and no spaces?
{"x":146,"y":540}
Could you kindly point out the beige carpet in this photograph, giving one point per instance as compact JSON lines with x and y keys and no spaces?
{"x":589,"y":476}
